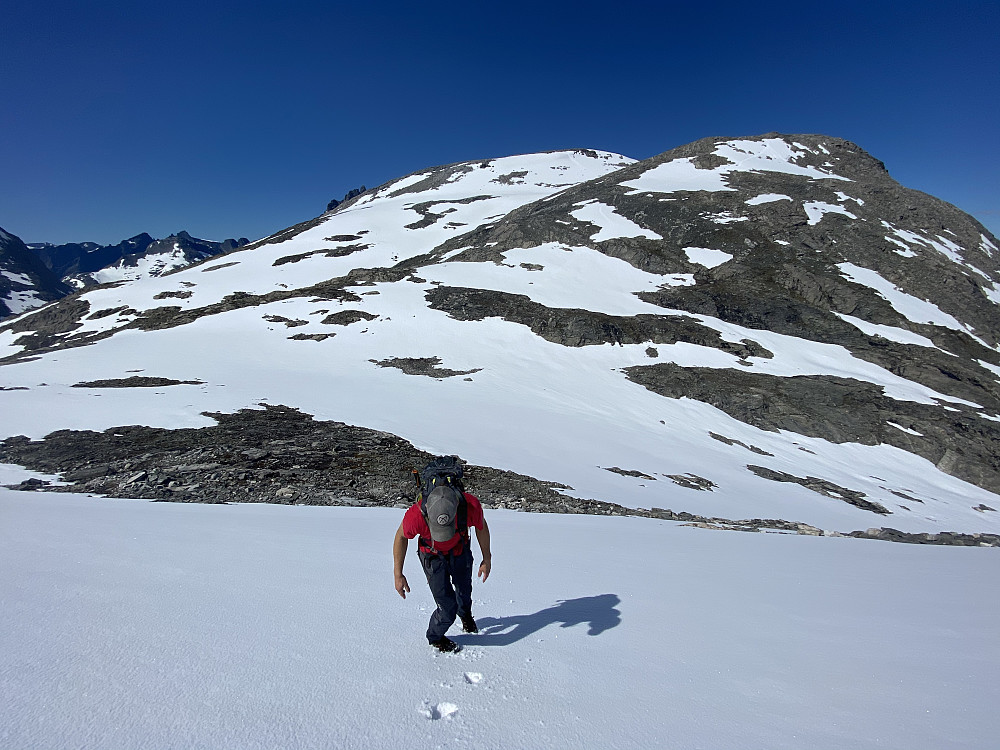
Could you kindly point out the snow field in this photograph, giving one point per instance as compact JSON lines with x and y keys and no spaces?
{"x":20,"y":301}
{"x":768,"y":155}
{"x":816,"y":210}
{"x":610,"y":224}
{"x":892,"y":333}
{"x":570,"y":277}
{"x":767,"y":198}
{"x":706,"y":256}
{"x":17,"y":278}
{"x":137,"y":624}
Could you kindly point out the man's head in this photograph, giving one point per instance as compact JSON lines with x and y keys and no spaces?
{"x":441,"y":507}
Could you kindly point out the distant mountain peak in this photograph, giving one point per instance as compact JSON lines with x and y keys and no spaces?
{"x":85,"y":264}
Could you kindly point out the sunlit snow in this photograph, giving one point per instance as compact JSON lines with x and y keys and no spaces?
{"x":148,"y":265}
{"x":767,"y":198}
{"x":21,"y":301}
{"x":912,"y":308}
{"x":706,"y":256}
{"x":842,"y":197}
{"x":17,"y":278}
{"x":677,"y":175}
{"x":137,"y":624}
{"x":610,"y":224}
{"x":892,"y":333}
{"x":815,"y":210}
{"x":768,"y":155}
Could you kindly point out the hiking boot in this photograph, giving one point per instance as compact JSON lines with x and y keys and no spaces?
{"x":469,"y":624}
{"x":446,"y":645}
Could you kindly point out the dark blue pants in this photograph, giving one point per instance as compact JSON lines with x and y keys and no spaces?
{"x":450,"y":580}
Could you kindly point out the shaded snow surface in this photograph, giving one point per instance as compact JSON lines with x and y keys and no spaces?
{"x":134,"y":624}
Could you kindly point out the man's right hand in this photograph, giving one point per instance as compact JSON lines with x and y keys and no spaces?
{"x":402,"y":587}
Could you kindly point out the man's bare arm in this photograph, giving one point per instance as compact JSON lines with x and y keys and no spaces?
{"x":399,"y":545}
{"x":483,"y":537}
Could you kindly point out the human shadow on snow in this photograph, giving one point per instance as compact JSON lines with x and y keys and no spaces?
{"x":598,"y":611}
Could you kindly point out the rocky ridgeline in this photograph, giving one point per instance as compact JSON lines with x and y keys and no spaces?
{"x":280,"y":455}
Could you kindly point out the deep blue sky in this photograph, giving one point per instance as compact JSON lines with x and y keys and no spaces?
{"x":238,"y":119}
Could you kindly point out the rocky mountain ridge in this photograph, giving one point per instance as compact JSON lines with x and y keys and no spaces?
{"x":50,"y":272}
{"x":25,"y":281}
{"x":764,"y":327}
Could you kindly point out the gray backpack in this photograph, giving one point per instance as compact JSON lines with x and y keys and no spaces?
{"x":442,"y":503}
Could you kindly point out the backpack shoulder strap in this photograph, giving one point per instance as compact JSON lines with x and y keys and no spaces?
{"x":463,"y":517}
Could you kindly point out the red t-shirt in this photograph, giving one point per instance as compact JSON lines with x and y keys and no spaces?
{"x":414,"y":523}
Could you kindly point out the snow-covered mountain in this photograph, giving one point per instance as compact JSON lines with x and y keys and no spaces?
{"x":33,"y":275}
{"x":87,"y":264}
{"x":765,"y":327}
{"x":25,"y":282}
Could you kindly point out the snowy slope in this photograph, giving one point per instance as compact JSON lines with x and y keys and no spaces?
{"x":137,"y":624}
{"x":256,"y":327}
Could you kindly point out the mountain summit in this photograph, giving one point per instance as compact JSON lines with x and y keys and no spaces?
{"x":765,"y":327}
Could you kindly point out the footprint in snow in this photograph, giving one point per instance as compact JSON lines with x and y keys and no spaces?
{"x":473,"y":678}
{"x":440,"y":711}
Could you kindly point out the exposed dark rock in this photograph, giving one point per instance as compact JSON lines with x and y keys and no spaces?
{"x":944,"y":537}
{"x":692,"y":481}
{"x":295,"y":258}
{"x":252,"y":456}
{"x":574,"y":327}
{"x":135,"y":382}
{"x":109,"y":311}
{"x":347,"y":317}
{"x":429,"y":216}
{"x":337,"y":252}
{"x":289,"y":323}
{"x":823,"y":487}
{"x":511,"y":178}
{"x":49,"y":326}
{"x":353,"y":193}
{"x":179,"y":295}
{"x":731,"y":441}
{"x":219,"y":266}
{"x":427,"y":366}
{"x":629,"y":473}
{"x":841,"y":410}
{"x":311,"y":336}
{"x":903,"y":495}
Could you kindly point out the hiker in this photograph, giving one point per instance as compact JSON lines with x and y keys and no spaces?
{"x":441,"y":517}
